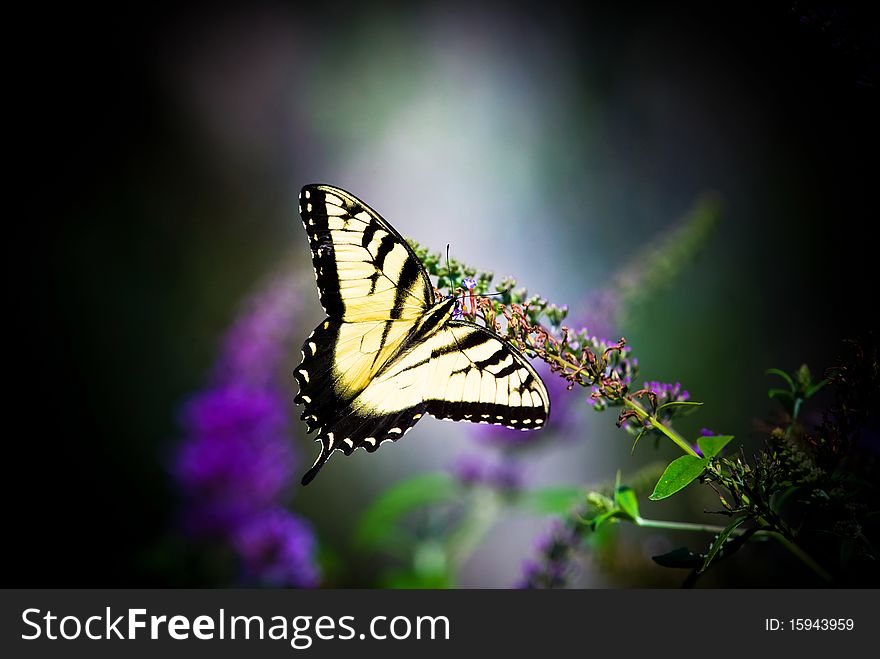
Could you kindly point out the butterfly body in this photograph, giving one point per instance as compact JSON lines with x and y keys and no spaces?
{"x":389,"y":352}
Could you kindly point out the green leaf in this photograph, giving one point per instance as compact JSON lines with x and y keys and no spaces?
{"x":678,"y":474}
{"x":679,"y":407}
{"x":636,"y":440}
{"x":718,"y":544}
{"x":785,"y":376}
{"x":379,"y":520}
{"x":627,"y":501}
{"x":815,"y":388}
{"x":780,"y":393}
{"x":599,"y":520}
{"x":711,"y":446}
{"x":555,"y":500}
{"x":681,"y":557}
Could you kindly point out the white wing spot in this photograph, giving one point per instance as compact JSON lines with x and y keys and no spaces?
{"x":396,"y":431}
{"x":305,"y":375}
{"x":348,"y":441}
{"x":309,"y":207}
{"x":527,"y":420}
{"x":416,"y":416}
{"x":370,"y":440}
{"x":482,"y":416}
{"x":332,"y":441}
{"x":307,"y":194}
{"x":499,"y":417}
{"x":313,"y":347}
{"x":539,"y":421}
{"x":305,"y":399}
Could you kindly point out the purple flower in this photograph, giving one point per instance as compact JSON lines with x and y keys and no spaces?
{"x":469,"y":283}
{"x":258,"y":342}
{"x":277,"y":549}
{"x":237,"y":458}
{"x":556,"y":547}
{"x":457,"y":312}
{"x":667,"y":393}
{"x":236,"y":464}
{"x":469,"y":469}
{"x":472,"y":469}
{"x":705,"y":432}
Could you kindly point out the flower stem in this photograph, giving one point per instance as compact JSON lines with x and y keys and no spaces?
{"x":656,"y":423}
{"x":791,"y":546}
{"x":678,"y":526}
{"x":795,"y":549}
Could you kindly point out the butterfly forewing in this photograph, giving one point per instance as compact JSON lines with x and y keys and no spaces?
{"x":364,"y":268}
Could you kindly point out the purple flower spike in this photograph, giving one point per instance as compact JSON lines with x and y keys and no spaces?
{"x":469,"y":283}
{"x":277,"y":549}
{"x":236,"y":464}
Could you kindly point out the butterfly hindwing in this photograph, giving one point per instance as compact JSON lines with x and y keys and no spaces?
{"x":365,"y":270}
{"x":479,"y":377}
{"x":339,"y":360}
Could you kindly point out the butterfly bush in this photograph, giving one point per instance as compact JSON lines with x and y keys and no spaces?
{"x":235,"y":466}
{"x":822,"y":473}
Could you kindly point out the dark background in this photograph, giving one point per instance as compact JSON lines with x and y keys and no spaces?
{"x":104,"y":247}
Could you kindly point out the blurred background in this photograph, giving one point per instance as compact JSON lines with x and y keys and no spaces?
{"x":164,"y":152}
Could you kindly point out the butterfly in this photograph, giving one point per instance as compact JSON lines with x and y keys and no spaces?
{"x":389,"y":351}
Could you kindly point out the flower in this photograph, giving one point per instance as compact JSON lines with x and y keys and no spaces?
{"x":556,"y":547}
{"x":667,"y":393}
{"x":277,"y":548}
{"x":506,"y":474}
{"x":236,"y":460}
{"x":469,"y":283}
{"x":236,"y":463}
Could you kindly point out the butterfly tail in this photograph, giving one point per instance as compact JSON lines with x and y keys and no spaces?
{"x":309,"y":476}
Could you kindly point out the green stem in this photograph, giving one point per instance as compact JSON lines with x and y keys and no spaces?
{"x":656,"y":423}
{"x":791,"y":546}
{"x":678,"y":526}
{"x":795,"y":549}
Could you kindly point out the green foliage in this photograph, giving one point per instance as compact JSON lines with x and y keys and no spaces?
{"x":680,"y":473}
{"x":718,"y":544}
{"x":552,"y":500}
{"x":800,"y":388}
{"x":379,"y":524}
{"x":682,"y":557}
{"x":711,"y":446}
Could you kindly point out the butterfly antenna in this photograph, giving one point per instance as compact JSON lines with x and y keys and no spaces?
{"x":322,"y":458}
